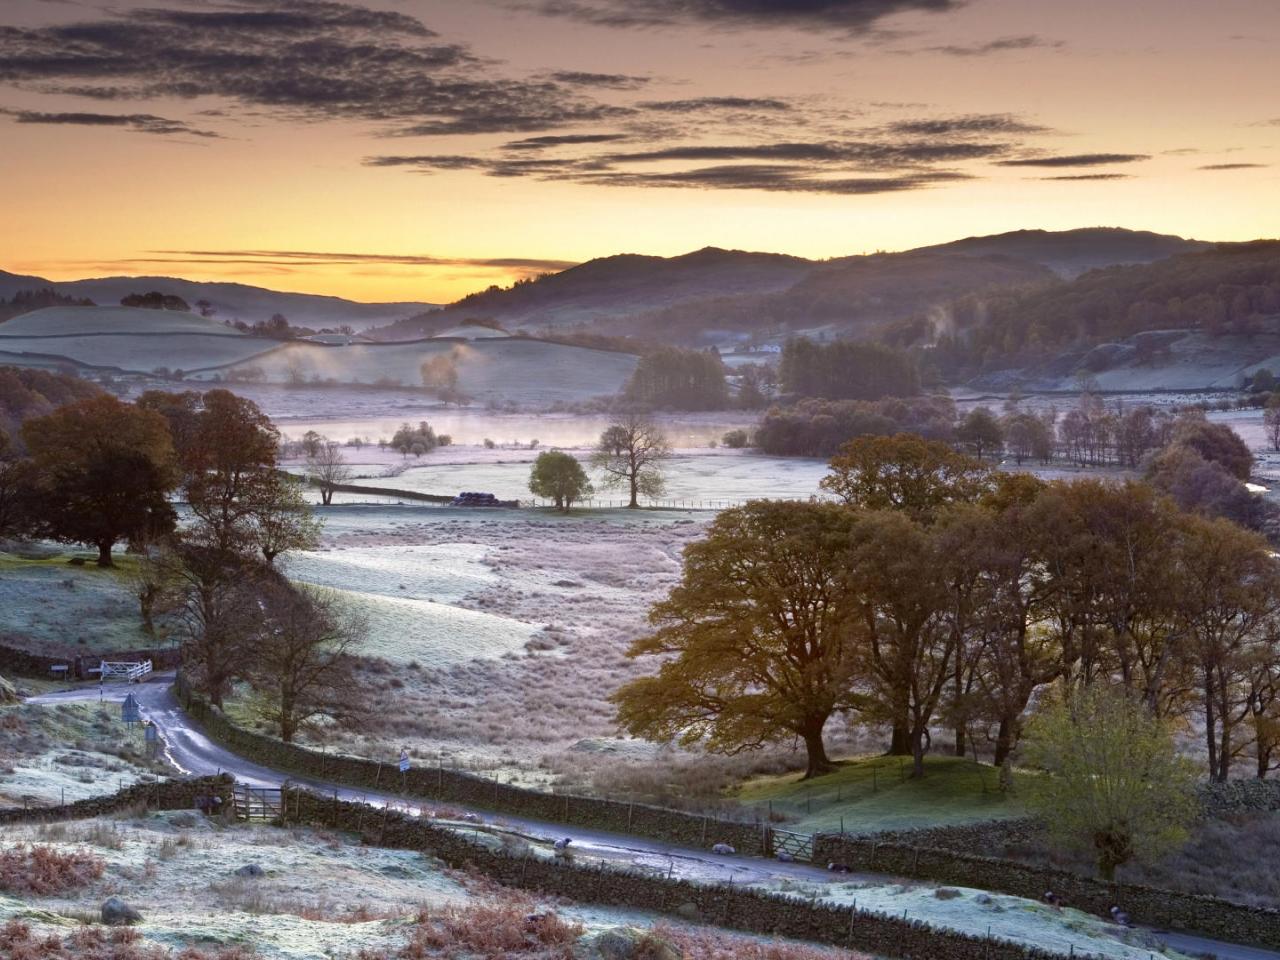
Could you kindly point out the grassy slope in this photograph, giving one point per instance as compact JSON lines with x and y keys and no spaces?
{"x":518,"y":369}
{"x":54,"y":608}
{"x":60,"y":321}
{"x":876,"y":794}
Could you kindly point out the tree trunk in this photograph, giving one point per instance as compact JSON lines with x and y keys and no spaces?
{"x":1210,"y":730}
{"x":917,"y":753}
{"x":635,"y":483}
{"x":326,"y":495}
{"x":104,"y":554}
{"x":900,"y":741}
{"x":817,"y":751}
{"x":1004,"y":741}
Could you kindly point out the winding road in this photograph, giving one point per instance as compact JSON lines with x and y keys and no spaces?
{"x":194,"y":754}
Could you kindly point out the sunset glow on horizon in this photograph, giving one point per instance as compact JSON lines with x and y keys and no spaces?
{"x":422,"y":149}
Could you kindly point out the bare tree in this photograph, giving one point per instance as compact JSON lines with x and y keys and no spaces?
{"x":218,"y":614}
{"x":327,"y":468}
{"x":303,"y":664}
{"x":630,"y":453}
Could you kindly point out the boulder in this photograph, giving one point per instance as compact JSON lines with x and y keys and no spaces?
{"x":628,"y":943}
{"x":117,"y":913}
{"x":689,"y":912}
{"x":250,"y":870}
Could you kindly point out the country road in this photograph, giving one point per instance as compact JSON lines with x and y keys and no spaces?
{"x":192,"y":753}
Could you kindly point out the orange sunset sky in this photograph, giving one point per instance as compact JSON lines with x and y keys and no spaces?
{"x":421,"y":149}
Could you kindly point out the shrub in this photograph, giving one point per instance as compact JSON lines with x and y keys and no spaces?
{"x":42,"y":870}
{"x":736,"y":439}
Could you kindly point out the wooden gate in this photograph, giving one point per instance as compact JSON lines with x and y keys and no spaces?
{"x":797,"y":846}
{"x":258,"y":803}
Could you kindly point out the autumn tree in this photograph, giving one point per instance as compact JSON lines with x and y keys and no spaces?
{"x":230,"y":470}
{"x":558,"y":476}
{"x":905,"y":473}
{"x":16,"y":488}
{"x":1113,"y":784}
{"x":283,"y":520}
{"x":630,"y":454}
{"x":980,"y":432}
{"x":755,"y":638}
{"x":897,"y":578}
{"x":327,"y":468}
{"x":303,"y":661}
{"x":103,"y":470}
{"x":1271,"y":421}
{"x":1229,"y":597}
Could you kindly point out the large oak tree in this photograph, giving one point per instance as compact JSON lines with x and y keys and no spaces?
{"x":104,"y":468}
{"x":756,"y":638}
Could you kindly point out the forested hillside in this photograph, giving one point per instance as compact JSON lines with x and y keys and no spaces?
{"x":1231,"y":289}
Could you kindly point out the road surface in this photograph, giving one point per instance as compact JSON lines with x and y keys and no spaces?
{"x":194,"y":754}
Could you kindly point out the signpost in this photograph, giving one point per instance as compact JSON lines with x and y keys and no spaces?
{"x":404,"y":766}
{"x":151,"y":736}
{"x":129,"y":711}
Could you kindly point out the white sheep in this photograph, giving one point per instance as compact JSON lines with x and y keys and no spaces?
{"x":723,"y":849}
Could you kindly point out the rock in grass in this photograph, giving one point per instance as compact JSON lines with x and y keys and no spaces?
{"x":117,"y":913}
{"x":250,"y":870}
{"x":628,"y":943}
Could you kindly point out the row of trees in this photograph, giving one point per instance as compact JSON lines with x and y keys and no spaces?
{"x":938,"y":593}
{"x":100,"y":471}
{"x":630,"y":455}
{"x":670,"y":377}
{"x":845,"y":370}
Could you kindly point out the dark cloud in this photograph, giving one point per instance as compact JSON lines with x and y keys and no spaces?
{"x":306,"y":59}
{"x":318,"y":258}
{"x":849,"y":16}
{"x":779,"y":178}
{"x":1002,"y":45}
{"x":859,"y":153}
{"x":571,"y":139}
{"x":700,"y":104}
{"x":1233,"y":166}
{"x":135,"y":122}
{"x":1090,"y":176}
{"x":1077,"y":160}
{"x":976,"y":123}
{"x":607,"y":81}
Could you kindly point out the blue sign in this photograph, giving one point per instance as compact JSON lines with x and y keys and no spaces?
{"x":404,"y":761}
{"x":129,"y":710}
{"x":150,"y":733}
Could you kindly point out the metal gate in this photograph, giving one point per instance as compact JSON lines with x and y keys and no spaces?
{"x":258,"y":803}
{"x":798,"y":846}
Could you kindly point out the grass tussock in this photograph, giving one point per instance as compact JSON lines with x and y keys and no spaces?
{"x":704,"y":943}
{"x":44,"y":871}
{"x":19,"y":942}
{"x":504,"y":924}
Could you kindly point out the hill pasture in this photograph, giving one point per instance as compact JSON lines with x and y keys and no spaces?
{"x":517,"y":369}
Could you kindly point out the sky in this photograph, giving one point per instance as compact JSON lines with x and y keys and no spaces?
{"x":421,"y":149}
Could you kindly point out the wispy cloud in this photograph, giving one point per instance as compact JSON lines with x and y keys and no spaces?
{"x":300,"y":59}
{"x":1234,"y":166}
{"x":847,"y":16}
{"x":328,"y":258}
{"x":986,"y":49}
{"x":1091,"y":176}
{"x":1076,"y":160}
{"x":974,"y":123}
{"x":134,"y":122}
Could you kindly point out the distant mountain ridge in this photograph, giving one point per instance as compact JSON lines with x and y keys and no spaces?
{"x":231,"y":301}
{"x":714,"y":294}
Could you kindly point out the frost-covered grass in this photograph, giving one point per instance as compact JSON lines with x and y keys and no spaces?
{"x":321,"y":894}
{"x":61,"y":321}
{"x":714,"y":479}
{"x":518,"y":370}
{"x":877,"y":793}
{"x":52,"y":754}
{"x":58,"y":609}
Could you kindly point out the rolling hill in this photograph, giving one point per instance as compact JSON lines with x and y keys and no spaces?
{"x":723,"y":296}
{"x":119,"y":340}
{"x":231,"y":301}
